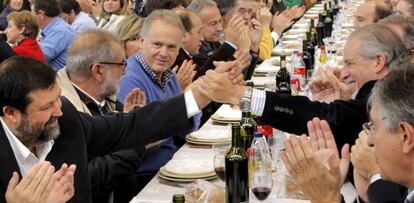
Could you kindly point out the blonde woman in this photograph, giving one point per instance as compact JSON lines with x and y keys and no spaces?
{"x":129,"y":33}
{"x":112,"y":13}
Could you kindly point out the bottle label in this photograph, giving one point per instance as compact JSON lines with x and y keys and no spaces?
{"x":259,"y":178}
{"x":299,"y":70}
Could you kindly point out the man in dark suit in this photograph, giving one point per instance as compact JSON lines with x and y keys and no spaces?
{"x":49,"y":127}
{"x":390,"y":130}
{"x":370,"y":54}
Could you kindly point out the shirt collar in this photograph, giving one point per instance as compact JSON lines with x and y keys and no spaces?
{"x":100,"y":104}
{"x":21,"y":152}
{"x":49,"y":27}
{"x":165,"y":78}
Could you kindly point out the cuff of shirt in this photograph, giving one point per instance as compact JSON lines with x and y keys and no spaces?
{"x":275,"y":37}
{"x":191,"y":104}
{"x":231,"y":44}
{"x":258,"y":102}
{"x":375,"y":178}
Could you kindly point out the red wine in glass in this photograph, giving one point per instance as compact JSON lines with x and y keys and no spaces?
{"x":220,"y":173}
{"x":261,"y":193}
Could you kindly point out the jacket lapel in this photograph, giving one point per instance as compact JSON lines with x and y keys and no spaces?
{"x":8,"y":162}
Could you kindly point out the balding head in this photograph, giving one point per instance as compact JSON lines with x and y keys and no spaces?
{"x":90,"y":47}
{"x":370,"y":12}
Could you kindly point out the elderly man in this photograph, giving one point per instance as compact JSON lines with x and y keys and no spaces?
{"x":390,"y":130}
{"x":89,"y":81}
{"x":404,"y":28}
{"x":370,"y":12}
{"x":44,"y":126}
{"x":56,"y":35}
{"x":370,"y":54}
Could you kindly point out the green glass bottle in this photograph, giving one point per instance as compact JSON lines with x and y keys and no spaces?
{"x":178,"y":198}
{"x":247,"y":124}
{"x":236,"y":164}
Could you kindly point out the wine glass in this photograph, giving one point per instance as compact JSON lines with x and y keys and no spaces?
{"x":219,"y":166}
{"x":261,"y":181}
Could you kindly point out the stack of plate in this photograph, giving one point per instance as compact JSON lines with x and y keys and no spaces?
{"x":226,"y":114}
{"x":187,"y":170}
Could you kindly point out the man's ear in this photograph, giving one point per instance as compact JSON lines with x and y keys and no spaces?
{"x":407,"y":137}
{"x":11,"y":114}
{"x":186,"y":37}
{"x":97,"y":72}
{"x":380,"y":62}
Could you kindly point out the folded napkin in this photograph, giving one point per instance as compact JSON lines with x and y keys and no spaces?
{"x":228,"y":113}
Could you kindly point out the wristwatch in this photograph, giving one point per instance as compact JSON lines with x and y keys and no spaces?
{"x":246,"y":100}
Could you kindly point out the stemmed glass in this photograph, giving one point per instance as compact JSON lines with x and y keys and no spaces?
{"x":219,"y":166}
{"x":261,"y":182}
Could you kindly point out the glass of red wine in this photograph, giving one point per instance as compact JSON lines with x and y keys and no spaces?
{"x":261,"y":184}
{"x":219,"y":167}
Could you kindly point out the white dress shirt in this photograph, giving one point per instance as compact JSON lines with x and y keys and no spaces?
{"x":83,"y":22}
{"x":24,"y":157}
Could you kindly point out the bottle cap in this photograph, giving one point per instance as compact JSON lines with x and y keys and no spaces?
{"x":322,"y":47}
{"x":299,"y":54}
{"x":257,"y":134}
{"x":178,"y":198}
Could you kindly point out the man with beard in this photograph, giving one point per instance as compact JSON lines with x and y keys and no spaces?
{"x":33,"y":114}
{"x":89,"y":81}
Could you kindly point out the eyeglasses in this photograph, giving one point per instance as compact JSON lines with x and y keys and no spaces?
{"x":368,"y":127}
{"x":123,"y":63}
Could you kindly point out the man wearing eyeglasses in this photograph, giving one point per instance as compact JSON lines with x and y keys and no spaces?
{"x":90,"y":80}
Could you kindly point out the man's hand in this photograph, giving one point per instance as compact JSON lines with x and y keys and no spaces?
{"x":42,"y":184}
{"x":315,"y":165}
{"x":281,"y":21}
{"x":361,"y":186}
{"x":64,"y":188}
{"x":264,"y":16}
{"x":135,"y":98}
{"x":296,"y":12}
{"x":243,"y":57}
{"x":218,"y":87}
{"x":234,"y":31}
{"x":257,"y":32}
{"x":233,"y":69}
{"x":329,"y":88}
{"x":185,"y":74}
{"x":363,"y":157}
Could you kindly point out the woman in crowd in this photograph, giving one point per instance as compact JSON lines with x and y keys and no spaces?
{"x":128,"y":32}
{"x":21,"y":32}
{"x":404,"y":8}
{"x":10,"y":6}
{"x":112,"y":13}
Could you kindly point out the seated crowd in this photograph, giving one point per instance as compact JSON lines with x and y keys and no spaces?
{"x":96,"y":96}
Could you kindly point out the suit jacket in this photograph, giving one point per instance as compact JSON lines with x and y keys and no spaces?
{"x":204,"y":61}
{"x":182,"y":55}
{"x":382,"y":191}
{"x":291,"y":114}
{"x":5,"y":50}
{"x":84,"y":137}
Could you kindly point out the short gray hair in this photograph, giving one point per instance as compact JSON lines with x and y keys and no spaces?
{"x":197,"y":5}
{"x":377,"y":40}
{"x":165,"y":15}
{"x":90,"y":46}
{"x":394,"y":96}
{"x":406,"y":24}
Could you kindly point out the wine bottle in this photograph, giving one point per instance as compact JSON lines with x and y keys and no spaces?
{"x":283,"y":79}
{"x":236,"y":164}
{"x":323,"y":57}
{"x":247,"y":124}
{"x":320,"y":30}
{"x":328,"y":22}
{"x":307,"y":58}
